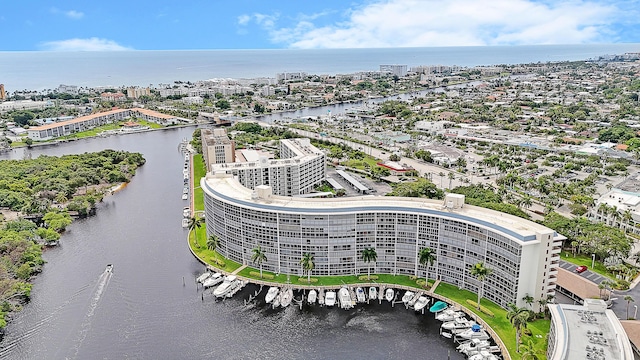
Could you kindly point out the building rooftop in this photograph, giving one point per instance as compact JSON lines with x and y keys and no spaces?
{"x":226,"y":186}
{"x":589,"y":331}
{"x":105,"y":113}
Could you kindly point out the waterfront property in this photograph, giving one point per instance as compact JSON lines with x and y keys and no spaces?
{"x":524,"y":255}
{"x":83,"y":123}
{"x":588,"y":331}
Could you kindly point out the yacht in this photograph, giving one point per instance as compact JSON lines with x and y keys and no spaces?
{"x":271,"y":294}
{"x":203,"y":277}
{"x":226,"y":286}
{"x":449,"y":315}
{"x":408,"y":295}
{"x":389,"y":294}
{"x":213,"y":280}
{"x":345,"y":298}
{"x":286,"y":297}
{"x":475,"y":332}
{"x":330,"y":298}
{"x":473,"y":345}
{"x":373,"y":293}
{"x":360,"y":295}
{"x":422,"y":302}
{"x":484,"y":355}
{"x":458,"y":323}
{"x":311,"y":298}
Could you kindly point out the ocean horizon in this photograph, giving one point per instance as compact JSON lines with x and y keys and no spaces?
{"x":40,"y":70}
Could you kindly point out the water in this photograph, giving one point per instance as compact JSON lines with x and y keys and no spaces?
{"x":47,"y":70}
{"x":143,"y":311}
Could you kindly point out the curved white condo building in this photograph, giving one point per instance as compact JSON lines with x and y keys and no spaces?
{"x":524,"y":255}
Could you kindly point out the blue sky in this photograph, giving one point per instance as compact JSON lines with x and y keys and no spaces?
{"x":272,"y":24}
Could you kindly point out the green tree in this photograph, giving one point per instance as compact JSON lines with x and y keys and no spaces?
{"x":194,"y":225}
{"x":369,"y":255}
{"x":308,"y":264}
{"x":629,"y":299}
{"x":426,"y":256}
{"x":480,"y":272}
{"x":529,"y":351}
{"x":258,"y":257}
{"x":212,"y":242}
{"x":528,"y":299}
{"x":518,"y":317}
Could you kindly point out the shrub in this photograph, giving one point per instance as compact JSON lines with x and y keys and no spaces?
{"x":366,"y":278}
{"x":264,"y":276}
{"x":303,"y":280}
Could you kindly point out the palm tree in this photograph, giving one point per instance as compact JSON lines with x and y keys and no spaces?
{"x":194,"y":224}
{"x":426,"y":256}
{"x":212,"y":242}
{"x":518,"y":317}
{"x":307,"y":263}
{"x":258,"y":257}
{"x":480,"y":272}
{"x":528,"y":299}
{"x":529,"y":352}
{"x":451,"y":177}
{"x":441,"y":174}
{"x":629,"y":300}
{"x":369,"y":255}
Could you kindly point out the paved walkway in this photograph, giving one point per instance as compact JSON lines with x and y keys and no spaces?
{"x":239,"y":269}
{"x":435,"y":285}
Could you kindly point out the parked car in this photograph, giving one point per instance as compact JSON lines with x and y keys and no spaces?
{"x":580,"y":269}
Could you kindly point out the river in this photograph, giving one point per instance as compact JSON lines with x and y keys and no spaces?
{"x":144,"y":311}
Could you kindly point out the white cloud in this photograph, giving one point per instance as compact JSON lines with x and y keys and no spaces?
{"x":71,"y":14}
{"x":244,"y":19}
{"x":419,"y":23}
{"x":90,"y":44}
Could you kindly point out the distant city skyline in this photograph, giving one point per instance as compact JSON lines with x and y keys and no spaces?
{"x":256,"y":24}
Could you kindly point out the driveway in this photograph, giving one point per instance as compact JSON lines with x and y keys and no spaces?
{"x":589,"y":275}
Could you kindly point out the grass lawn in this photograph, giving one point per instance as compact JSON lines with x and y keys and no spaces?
{"x":499,"y":322}
{"x":199,"y":171}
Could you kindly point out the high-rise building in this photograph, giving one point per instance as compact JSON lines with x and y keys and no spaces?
{"x":217,"y":148}
{"x":399,"y":70}
{"x":3,"y":95}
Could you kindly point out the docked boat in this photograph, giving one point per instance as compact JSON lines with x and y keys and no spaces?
{"x":185,"y":223}
{"x":414,"y":299}
{"x":458,"y":323}
{"x":271,"y":294}
{"x":311,"y":298}
{"x":185,"y":196}
{"x":438,"y":306}
{"x":449,"y":315}
{"x":330,"y":298}
{"x":286,"y":298}
{"x":408,"y":295}
{"x":205,"y":275}
{"x":475,"y":332}
{"x":345,"y":298}
{"x":186,"y":212}
{"x":360,"y":295}
{"x":389,"y":294}
{"x":473,"y":346}
{"x":484,"y":355}
{"x":213,"y":280}
{"x":422,"y":302}
{"x":373,"y":293}
{"x":227,"y":285}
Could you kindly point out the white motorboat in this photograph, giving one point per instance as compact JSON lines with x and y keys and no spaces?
{"x":185,"y":223}
{"x":185,"y":190}
{"x":408,"y":295}
{"x":373,"y":293}
{"x":414,"y":299}
{"x":186,"y":211}
{"x":185,"y":196}
{"x":205,"y":275}
{"x":286,"y":297}
{"x":389,"y":294}
{"x":422,"y":302}
{"x":276,"y":301}
{"x":109,"y":268}
{"x":475,"y":332}
{"x":345,"y":298}
{"x":360,"y":295}
{"x":271,"y":294}
{"x":457,"y":323}
{"x":449,"y":315}
{"x":212,"y":280}
{"x":311,"y":298}
{"x":484,"y":355}
{"x":330,"y":298}
{"x":473,"y":345}
{"x":227,"y":285}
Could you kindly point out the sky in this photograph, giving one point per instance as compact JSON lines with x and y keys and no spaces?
{"x":74,"y":25}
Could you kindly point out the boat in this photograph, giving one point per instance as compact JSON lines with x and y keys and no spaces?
{"x":422,"y":302}
{"x":438,"y":306}
{"x":185,"y":196}
{"x":449,"y":315}
{"x":330,"y":298}
{"x":414,"y":299}
{"x":473,"y":346}
{"x":373,"y":293}
{"x":109,"y":268}
{"x":185,"y":190}
{"x":186,"y":211}
{"x":311,"y":298}
{"x":226,"y":286}
{"x":345,"y":298}
{"x":389,"y":294}
{"x":457,"y":323}
{"x":276,"y":301}
{"x":484,"y":355}
{"x":185,"y":223}
{"x":475,"y":332}
{"x":205,"y":275}
{"x":271,"y":294}
{"x":360,"y":295}
{"x":286,"y":297}
{"x":213,"y":280}
{"x":408,"y":295}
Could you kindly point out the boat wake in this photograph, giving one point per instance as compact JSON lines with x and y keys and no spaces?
{"x":101,"y":286}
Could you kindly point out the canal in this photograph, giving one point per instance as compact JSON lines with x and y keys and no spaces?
{"x":143,"y":310}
